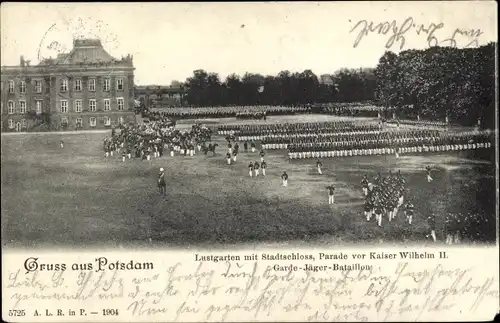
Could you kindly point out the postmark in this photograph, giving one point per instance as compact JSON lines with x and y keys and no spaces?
{"x":57,"y":41}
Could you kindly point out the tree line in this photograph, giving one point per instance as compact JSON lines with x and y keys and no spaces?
{"x":435,"y":83}
{"x":286,"y":88}
{"x":439,"y":83}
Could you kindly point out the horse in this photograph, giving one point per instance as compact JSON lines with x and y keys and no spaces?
{"x":210,"y":148}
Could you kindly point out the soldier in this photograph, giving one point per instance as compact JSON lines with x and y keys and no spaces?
{"x":62,"y":143}
{"x":263,"y":165}
{"x":253,"y":146}
{"x":364,"y":185}
{"x":331,"y":194}
{"x":428,"y":171}
{"x":250,"y":169}
{"x":458,"y":226}
{"x":379,"y":210}
{"x":431,"y":221}
{"x":228,"y":157}
{"x":256,"y":167}
{"x":245,"y":146}
{"x":235,"y":153}
{"x":368,"y":208}
{"x":161,"y":182}
{"x":448,"y":228}
{"x":284,"y":179}
{"x":318,"y":165}
{"x":262,"y":154}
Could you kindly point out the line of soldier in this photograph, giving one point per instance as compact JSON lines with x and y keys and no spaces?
{"x":275,"y":137}
{"x":232,"y":111}
{"x":354,"y":111}
{"x":309,"y":140}
{"x":409,"y":145}
{"x":419,"y":123}
{"x":251,"y":115}
{"x":295,"y":127}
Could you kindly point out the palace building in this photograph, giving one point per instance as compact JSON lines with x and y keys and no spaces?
{"x":86,"y":88}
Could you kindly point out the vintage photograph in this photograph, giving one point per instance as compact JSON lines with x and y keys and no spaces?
{"x":193,"y":125}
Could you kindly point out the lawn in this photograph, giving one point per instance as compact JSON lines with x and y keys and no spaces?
{"x":76,"y":197}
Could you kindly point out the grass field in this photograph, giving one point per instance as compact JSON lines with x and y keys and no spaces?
{"x":76,"y":197}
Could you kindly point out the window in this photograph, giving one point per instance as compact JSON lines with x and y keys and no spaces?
{"x":78,"y":85}
{"x":78,"y":105}
{"x":106,"y":85}
{"x":119,"y":84}
{"x":92,"y":85}
{"x":64,"y":106}
{"x":22,"y":87}
{"x":107,"y":121}
{"x":12,"y":107}
{"x":11,"y":124}
{"x":22,"y":107}
{"x":93,"y":121}
{"x":11,"y":86}
{"x":64,"y":121}
{"x":121,"y":104}
{"x":23,"y":123}
{"x":38,"y":106}
{"x":121,"y":120}
{"x":79,"y":122}
{"x":38,"y":86}
{"x":92,"y":105}
{"x":107,"y":105}
{"x":64,"y":85}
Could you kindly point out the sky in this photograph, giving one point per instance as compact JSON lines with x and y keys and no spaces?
{"x":170,"y":40}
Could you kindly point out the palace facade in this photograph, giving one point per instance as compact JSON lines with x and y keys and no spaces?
{"x":84,"y":89}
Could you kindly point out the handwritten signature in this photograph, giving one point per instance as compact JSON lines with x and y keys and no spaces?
{"x":398,"y":33}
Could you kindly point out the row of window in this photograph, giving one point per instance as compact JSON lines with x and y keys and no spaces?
{"x":92,"y":121}
{"x":77,"y":85}
{"x":77,"y":106}
{"x":78,"y":122}
{"x":22,"y":106}
{"x":23,"y":123}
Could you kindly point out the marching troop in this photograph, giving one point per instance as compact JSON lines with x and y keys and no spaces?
{"x":384,"y":197}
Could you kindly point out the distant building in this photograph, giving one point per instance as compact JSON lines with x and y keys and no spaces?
{"x":160,"y":96}
{"x":84,"y":89}
{"x":326,"y":79}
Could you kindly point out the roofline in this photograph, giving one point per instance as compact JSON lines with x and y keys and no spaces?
{"x":65,"y":67}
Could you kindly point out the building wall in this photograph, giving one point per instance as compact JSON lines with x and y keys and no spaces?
{"x":52,"y":95}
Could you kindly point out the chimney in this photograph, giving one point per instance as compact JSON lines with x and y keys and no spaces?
{"x":22,"y":61}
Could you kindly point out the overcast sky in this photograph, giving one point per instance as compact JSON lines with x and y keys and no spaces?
{"x":169,"y":41}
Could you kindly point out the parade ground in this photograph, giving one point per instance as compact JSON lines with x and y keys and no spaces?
{"x":74,"y":196}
